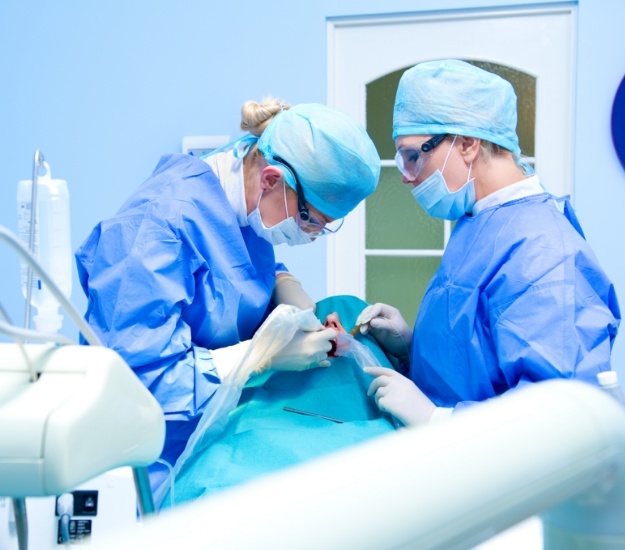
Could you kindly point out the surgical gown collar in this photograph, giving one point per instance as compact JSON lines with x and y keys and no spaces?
{"x":519,"y":190}
{"x":229,"y":171}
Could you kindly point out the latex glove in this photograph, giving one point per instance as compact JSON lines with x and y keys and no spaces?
{"x":288,"y":290}
{"x":399,"y":396}
{"x":226,"y":359}
{"x":307,"y":350}
{"x":386,"y":324}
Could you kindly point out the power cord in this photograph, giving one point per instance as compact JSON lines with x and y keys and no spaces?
{"x":65,"y":510}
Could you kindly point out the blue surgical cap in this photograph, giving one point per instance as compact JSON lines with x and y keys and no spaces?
{"x":334,"y":158}
{"x":454,"y":97}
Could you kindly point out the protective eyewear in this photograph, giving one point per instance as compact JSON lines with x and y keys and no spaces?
{"x":411,"y":160}
{"x":304,"y":219}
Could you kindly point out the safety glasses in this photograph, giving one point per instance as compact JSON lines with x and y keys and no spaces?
{"x":411,"y":160}
{"x":304,"y":219}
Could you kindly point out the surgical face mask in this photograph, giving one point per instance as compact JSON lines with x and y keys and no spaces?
{"x":287,"y":231}
{"x":438,"y":201}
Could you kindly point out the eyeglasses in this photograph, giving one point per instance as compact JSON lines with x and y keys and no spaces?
{"x":305,"y":220}
{"x":411,"y":160}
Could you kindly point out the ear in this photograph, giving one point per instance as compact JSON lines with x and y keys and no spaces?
{"x":270,"y":177}
{"x":469,"y":148}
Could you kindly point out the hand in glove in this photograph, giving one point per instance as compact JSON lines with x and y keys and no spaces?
{"x":399,"y":396}
{"x":307,"y":350}
{"x":386,"y":324}
{"x":288,"y":290}
{"x":226,"y":359}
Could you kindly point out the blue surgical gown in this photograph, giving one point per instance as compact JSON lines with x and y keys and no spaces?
{"x":519,"y":297}
{"x":171,"y":276}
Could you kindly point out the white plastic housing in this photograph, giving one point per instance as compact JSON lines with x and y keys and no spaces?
{"x":201,"y":145}
{"x":86,"y":414}
{"x":444,"y":486}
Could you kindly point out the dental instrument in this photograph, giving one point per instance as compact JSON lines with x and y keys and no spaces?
{"x":308,"y":413}
{"x":355,"y":330}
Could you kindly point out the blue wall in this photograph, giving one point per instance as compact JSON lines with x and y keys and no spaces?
{"x":103,"y":89}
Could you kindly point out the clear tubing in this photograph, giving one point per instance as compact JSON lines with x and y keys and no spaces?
{"x":76,"y":317}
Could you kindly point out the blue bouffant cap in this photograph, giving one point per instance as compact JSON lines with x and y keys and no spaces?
{"x":454,"y":97}
{"x":334,"y":158}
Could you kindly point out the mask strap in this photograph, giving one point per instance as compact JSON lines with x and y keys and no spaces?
{"x":260,"y":216}
{"x":449,"y":153}
{"x":260,"y":196}
{"x":286,"y":208}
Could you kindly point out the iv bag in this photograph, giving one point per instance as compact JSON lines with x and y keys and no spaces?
{"x":51,"y":246}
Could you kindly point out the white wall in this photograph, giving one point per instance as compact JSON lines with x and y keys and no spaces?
{"x":599,"y":176}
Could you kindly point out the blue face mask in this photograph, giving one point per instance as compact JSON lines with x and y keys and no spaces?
{"x":287,"y":231}
{"x":438,"y":201}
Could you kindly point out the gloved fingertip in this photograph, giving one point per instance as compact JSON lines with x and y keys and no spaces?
{"x":363,"y":319}
{"x":364,"y":316}
{"x":324,"y":363}
{"x":364,"y":329}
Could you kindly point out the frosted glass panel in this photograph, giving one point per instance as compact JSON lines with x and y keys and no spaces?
{"x":395,"y":220}
{"x":380,"y":101}
{"x":400,"y":282}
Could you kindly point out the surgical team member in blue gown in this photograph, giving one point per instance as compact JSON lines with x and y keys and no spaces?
{"x":519,"y":296}
{"x":181,"y":277}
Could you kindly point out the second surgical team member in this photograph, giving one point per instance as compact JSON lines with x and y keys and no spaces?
{"x":519,"y":296}
{"x":182,"y":276}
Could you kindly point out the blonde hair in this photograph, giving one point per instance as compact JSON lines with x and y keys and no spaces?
{"x":256,"y":116}
{"x":490,"y":150}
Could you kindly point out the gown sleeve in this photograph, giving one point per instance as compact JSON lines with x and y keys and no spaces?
{"x":552,"y":312}
{"x":560,"y":327}
{"x":519,"y":298}
{"x":138,"y":280}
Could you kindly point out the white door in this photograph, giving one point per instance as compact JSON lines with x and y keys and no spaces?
{"x":536,"y":43}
